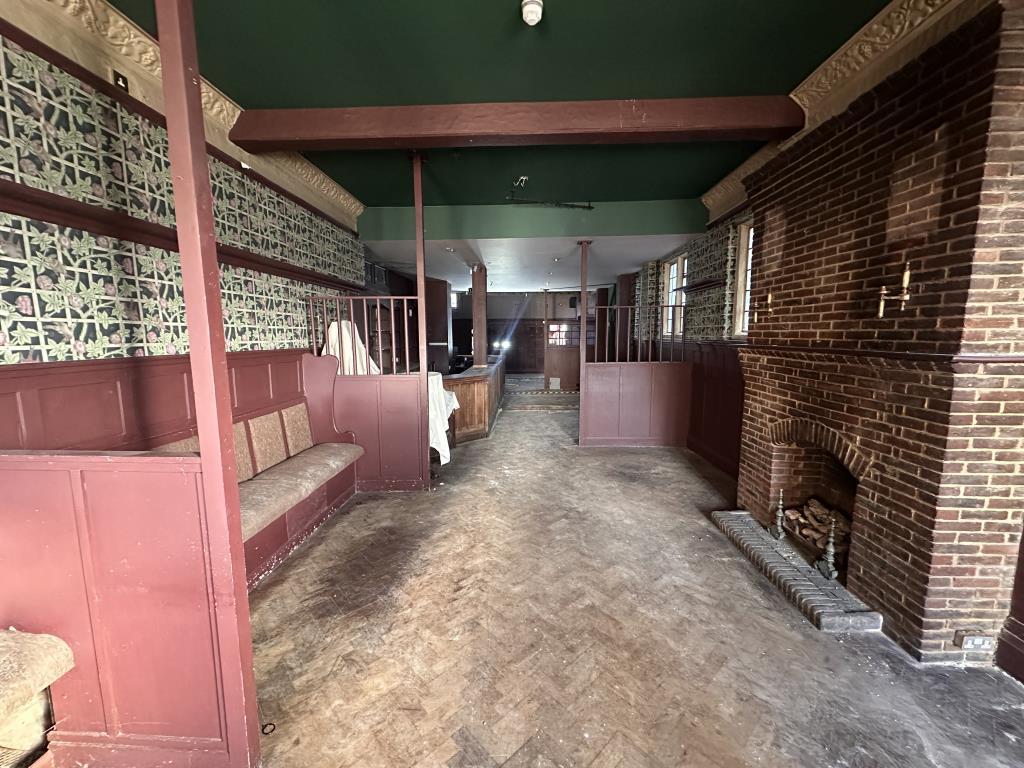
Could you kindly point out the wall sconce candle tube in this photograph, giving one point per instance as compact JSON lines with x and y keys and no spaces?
{"x":902,"y":297}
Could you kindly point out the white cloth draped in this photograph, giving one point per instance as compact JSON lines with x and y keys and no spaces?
{"x":442,"y":404}
{"x":341,"y":340}
{"x":343,"y":337}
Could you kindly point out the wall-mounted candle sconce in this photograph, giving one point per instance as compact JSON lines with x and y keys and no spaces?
{"x":756,"y":306}
{"x":902,"y":297}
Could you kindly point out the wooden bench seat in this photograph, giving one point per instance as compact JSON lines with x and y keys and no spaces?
{"x":288,"y":485}
{"x":29,"y":665}
{"x":270,"y":494}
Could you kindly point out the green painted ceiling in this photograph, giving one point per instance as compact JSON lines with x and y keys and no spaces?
{"x":568,"y":174}
{"x":327,"y":53}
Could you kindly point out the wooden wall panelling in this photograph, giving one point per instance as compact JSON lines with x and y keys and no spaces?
{"x":717,"y":404}
{"x":636,"y":404}
{"x":384,"y":413}
{"x":130,"y":403}
{"x":129,"y":581}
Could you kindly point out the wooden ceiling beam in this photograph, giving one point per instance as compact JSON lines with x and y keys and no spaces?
{"x":625,"y":121}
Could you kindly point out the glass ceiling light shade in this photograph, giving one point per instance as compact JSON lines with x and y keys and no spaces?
{"x":532,"y":11}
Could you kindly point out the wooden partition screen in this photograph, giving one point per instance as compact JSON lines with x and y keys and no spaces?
{"x":125,"y":565}
{"x":380,"y":389}
{"x":637,"y":393}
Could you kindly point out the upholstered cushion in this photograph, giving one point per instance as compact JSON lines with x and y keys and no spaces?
{"x":29,"y":663}
{"x":185,"y":445}
{"x":296,"y":428}
{"x":267,"y":441}
{"x":272,"y":493}
{"x":25,"y":729}
{"x":243,"y":461}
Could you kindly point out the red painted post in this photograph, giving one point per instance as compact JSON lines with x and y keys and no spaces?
{"x":197,"y":244}
{"x":421,"y":312}
{"x":584,"y":253}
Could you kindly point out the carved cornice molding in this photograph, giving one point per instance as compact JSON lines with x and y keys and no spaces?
{"x":101,"y":37}
{"x":729,"y":193}
{"x":901,"y":32}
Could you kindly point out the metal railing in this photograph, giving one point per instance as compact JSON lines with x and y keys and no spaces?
{"x":369,"y":334}
{"x":653,"y":333}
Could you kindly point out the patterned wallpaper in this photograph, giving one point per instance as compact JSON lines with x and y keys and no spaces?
{"x":66,"y":294}
{"x":60,"y":135}
{"x":710,"y":256}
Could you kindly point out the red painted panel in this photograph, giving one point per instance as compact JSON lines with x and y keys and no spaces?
{"x":10,"y":420}
{"x":357,"y":407}
{"x":147,"y":545}
{"x":639,"y":404}
{"x":113,"y":553}
{"x":600,"y":402}
{"x":40,"y":545}
{"x":635,"y":400}
{"x":286,"y":379}
{"x":402,"y":440}
{"x":261,"y":548}
{"x":65,"y":421}
{"x":162,"y":400}
{"x":129,"y":403}
{"x":250,"y":386}
{"x":670,"y":403}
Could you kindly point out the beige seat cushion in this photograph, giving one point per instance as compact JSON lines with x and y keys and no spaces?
{"x":29,"y":663}
{"x":272,"y":493}
{"x":243,"y":460}
{"x":267,"y":441}
{"x":296,"y":428}
{"x":185,"y":445}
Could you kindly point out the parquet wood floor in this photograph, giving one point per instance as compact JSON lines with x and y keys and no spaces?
{"x":551,"y":606}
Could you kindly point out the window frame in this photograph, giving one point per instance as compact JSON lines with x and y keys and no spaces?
{"x":742,"y":306}
{"x":674,"y":295}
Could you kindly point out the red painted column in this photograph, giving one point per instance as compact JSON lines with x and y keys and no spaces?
{"x":193,"y":204}
{"x":421,"y":311}
{"x":584,"y":253}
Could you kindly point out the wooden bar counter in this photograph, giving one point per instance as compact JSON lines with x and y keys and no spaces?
{"x":480,"y":390}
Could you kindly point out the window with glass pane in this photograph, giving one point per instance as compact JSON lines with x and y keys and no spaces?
{"x":674,"y":295}
{"x":563,"y":334}
{"x":744,"y":276}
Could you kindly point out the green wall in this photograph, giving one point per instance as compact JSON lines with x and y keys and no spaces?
{"x":471,"y":222}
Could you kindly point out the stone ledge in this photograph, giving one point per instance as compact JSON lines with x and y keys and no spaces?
{"x":824,"y":602}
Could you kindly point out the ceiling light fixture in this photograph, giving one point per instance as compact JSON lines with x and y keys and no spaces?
{"x":532,"y":11}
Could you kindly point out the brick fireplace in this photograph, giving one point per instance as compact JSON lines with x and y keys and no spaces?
{"x":911,"y":422}
{"x":815,"y":466}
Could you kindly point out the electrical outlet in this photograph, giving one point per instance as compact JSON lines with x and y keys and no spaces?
{"x":973,"y":640}
{"x":119,"y":80}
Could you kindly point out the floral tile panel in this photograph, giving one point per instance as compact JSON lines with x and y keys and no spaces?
{"x":67,"y":294}
{"x":60,"y":135}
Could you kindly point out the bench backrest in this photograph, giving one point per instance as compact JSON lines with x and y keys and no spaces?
{"x":261,"y":442}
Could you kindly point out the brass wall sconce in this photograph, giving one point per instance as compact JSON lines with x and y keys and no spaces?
{"x":903,"y":297}
{"x":756,"y":306}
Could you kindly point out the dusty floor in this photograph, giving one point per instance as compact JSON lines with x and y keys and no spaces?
{"x":551,"y":606}
{"x":525,"y":392}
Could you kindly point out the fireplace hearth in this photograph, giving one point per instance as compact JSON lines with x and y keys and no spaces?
{"x":811,"y":524}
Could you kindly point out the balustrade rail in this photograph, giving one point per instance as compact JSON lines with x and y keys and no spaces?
{"x":647,"y":334}
{"x":370,"y":335}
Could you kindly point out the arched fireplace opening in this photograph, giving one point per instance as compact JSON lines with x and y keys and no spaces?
{"x":814,"y":490}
